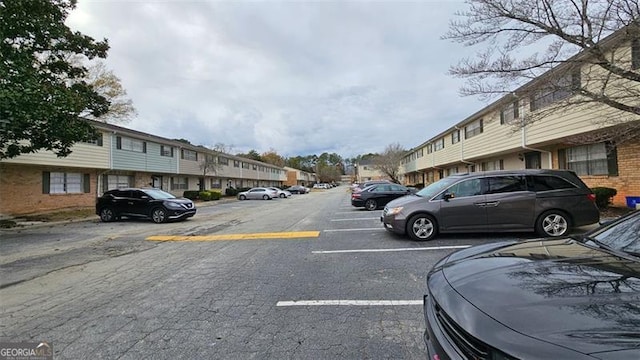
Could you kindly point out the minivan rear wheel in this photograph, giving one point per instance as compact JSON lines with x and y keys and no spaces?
{"x":422,"y":227}
{"x":553,"y":223}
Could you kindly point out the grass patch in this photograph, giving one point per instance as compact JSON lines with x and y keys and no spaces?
{"x":61,"y":215}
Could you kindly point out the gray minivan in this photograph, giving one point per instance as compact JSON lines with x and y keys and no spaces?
{"x":549,"y":202}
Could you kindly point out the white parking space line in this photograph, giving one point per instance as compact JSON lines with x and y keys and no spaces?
{"x":349,"y":303}
{"x":352,"y":219}
{"x":391,"y":250}
{"x":360,"y":229}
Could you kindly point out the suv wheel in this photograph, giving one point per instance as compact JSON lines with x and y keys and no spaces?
{"x":370,"y":205}
{"x":553,"y":223}
{"x":107,"y":214}
{"x":422,"y":227}
{"x":159,"y":215}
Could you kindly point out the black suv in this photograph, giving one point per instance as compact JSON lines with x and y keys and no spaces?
{"x":154,"y":204}
{"x":547,"y":201}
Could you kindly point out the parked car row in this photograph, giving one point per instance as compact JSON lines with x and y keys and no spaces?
{"x":263,"y":193}
{"x":298,"y":189}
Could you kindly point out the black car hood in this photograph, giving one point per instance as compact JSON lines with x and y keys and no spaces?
{"x":558,"y":291}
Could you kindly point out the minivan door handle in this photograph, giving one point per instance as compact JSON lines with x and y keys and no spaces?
{"x":492,"y":204}
{"x":480,"y":204}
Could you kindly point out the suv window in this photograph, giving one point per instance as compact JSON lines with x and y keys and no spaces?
{"x":504,"y":184}
{"x":546,"y":183}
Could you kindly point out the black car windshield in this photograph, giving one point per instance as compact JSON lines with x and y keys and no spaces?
{"x":433,"y":189}
{"x":158,"y":194}
{"x":624,"y":236}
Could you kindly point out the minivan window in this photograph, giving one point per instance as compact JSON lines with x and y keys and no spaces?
{"x":505,"y":184}
{"x":546,"y":183}
{"x":471,"y":187}
{"x":434,"y":188}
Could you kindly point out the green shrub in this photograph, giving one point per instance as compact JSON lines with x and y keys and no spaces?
{"x":191,"y":194}
{"x":604,"y":196}
{"x":231,"y":192}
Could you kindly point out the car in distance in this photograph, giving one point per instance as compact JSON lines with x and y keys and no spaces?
{"x":258,"y":193}
{"x":151,"y":203}
{"x":377,"y":195}
{"x":365,"y":184}
{"x":549,"y":202}
{"x":298,"y":189}
{"x":281,"y":193}
{"x":555,"y":298}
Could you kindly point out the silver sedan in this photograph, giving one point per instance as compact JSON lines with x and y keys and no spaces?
{"x":258,"y":193}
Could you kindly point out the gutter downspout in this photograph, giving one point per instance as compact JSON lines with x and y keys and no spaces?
{"x":524,"y":146}
{"x":462,"y":149}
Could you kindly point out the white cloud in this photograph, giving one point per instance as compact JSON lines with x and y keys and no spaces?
{"x":297,"y":77}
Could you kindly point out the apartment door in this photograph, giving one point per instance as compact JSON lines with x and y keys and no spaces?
{"x":156,"y":181}
{"x":532,"y":160}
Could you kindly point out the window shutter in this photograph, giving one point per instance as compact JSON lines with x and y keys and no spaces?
{"x":86,"y":183}
{"x":181,"y":153}
{"x":144,"y":147}
{"x":612,"y":159}
{"x":481,"y":126}
{"x":100,"y":139}
{"x":502,"y":117}
{"x":172,"y":151}
{"x":516,"y":109}
{"x":118,"y":142}
{"x":46,"y":179}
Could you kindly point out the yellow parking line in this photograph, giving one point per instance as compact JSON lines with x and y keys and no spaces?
{"x":275,"y":235}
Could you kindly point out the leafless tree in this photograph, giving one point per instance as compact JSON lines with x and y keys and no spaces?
{"x":579,"y":53}
{"x":389,"y":161}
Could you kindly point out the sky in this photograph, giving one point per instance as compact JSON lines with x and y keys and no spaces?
{"x":296,"y":77}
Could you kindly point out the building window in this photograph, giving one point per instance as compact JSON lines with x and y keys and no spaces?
{"x":493,"y":165}
{"x":97,"y":141}
{"x":635,"y":54}
{"x":236,"y":163}
{"x":438,"y":145}
{"x":564,"y":87}
{"x":223,"y":160}
{"x":245,"y":165}
{"x":117,"y":182}
{"x":455,"y":136}
{"x":179,"y":183}
{"x":420,"y":153}
{"x":429,"y":148}
{"x":593,"y":159}
{"x":473,"y":129}
{"x":129,"y":144}
{"x":65,"y":183}
{"x":166,"y":151}
{"x":189,"y":155}
{"x":216,"y":184}
{"x":509,"y":113}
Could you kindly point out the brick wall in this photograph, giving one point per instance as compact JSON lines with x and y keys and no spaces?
{"x":627,"y":183}
{"x":21,"y":191}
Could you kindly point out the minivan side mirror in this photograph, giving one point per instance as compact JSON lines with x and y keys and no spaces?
{"x":448,"y":196}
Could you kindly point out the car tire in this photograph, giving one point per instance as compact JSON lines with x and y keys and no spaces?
{"x":107,"y":214}
{"x":553,"y":223}
{"x":266,"y":197}
{"x":283,"y":196}
{"x":159,"y":215}
{"x":370,"y":205}
{"x":422,"y":227}
{"x":242,"y":197}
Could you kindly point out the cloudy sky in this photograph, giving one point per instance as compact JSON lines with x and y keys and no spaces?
{"x":298,"y":77}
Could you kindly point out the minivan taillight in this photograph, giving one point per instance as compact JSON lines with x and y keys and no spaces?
{"x":355,"y":195}
{"x":592,"y":197}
